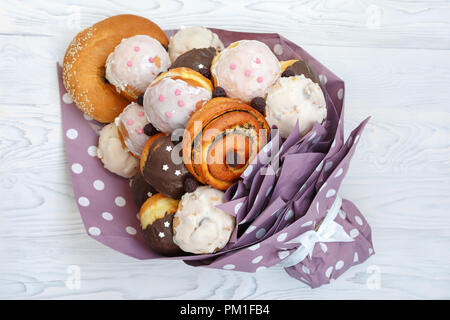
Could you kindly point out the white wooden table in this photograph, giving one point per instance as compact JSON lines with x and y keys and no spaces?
{"x":394,"y":57}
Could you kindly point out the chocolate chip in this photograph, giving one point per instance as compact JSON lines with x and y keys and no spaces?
{"x":206,"y":73}
{"x":140,"y":100}
{"x":219,"y":92}
{"x":150,"y":130}
{"x":190,"y":184}
{"x":288,"y":73}
{"x":259,"y":104}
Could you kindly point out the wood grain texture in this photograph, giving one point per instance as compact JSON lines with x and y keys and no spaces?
{"x":394,"y":57}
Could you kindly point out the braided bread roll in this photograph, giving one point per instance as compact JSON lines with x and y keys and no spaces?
{"x":221,"y":139}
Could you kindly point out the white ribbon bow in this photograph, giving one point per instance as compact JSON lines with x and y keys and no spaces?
{"x":328,"y":231}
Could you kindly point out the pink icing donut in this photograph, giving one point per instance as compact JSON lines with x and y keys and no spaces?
{"x":169,"y":102}
{"x":134,"y":63}
{"x":246,"y":69}
{"x":131,"y":123}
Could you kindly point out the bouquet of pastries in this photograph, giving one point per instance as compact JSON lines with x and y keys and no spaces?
{"x":229,"y":147}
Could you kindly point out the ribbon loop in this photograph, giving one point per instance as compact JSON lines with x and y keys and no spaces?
{"x":328,"y":231}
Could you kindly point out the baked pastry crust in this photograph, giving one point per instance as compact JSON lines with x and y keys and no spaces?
{"x":84,"y":64}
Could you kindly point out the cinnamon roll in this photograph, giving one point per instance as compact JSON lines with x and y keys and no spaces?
{"x":221,"y":139}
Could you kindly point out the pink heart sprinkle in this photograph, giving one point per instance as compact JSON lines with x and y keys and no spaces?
{"x":180,"y":103}
{"x":141,"y":114}
{"x":140,"y":131}
{"x":168,"y":114}
{"x":248,"y":72}
{"x":130,"y":122}
{"x":150,"y":60}
{"x":136,"y":48}
{"x":258,"y":60}
{"x":129,"y":63}
{"x":232,"y":66}
{"x":259,"y":79}
{"x":177,"y":92}
{"x":161,"y":98}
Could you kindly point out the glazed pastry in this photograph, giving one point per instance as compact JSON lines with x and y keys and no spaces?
{"x":245,"y":70}
{"x":141,"y":190}
{"x":198,"y":226}
{"x":113,"y":155}
{"x":84,"y":64}
{"x":162,"y":166}
{"x":196,"y":59}
{"x":173,"y":96}
{"x":134,"y":64}
{"x":291,"y":68}
{"x":231,"y":135}
{"x":192,"y":38}
{"x":131,"y":123}
{"x":156,"y":217}
{"x":295,"y":98}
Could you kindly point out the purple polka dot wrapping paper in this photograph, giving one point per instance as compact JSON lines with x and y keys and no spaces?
{"x":275,"y":202}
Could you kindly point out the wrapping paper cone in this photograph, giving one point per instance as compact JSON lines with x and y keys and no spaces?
{"x":280,"y":201}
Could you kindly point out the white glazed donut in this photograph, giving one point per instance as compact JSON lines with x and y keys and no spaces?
{"x":131,"y":123}
{"x":199,"y":227}
{"x":134,"y":63}
{"x":114,"y":156}
{"x":192,"y":38}
{"x":295,"y":98}
{"x":245,"y":70}
{"x":170,"y":100}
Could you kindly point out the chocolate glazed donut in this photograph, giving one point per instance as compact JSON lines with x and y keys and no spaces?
{"x":221,"y":139}
{"x":159,"y":170}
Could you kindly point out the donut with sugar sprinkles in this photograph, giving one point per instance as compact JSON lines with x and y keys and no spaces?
{"x":85,"y":58}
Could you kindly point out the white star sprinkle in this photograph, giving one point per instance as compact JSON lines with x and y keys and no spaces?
{"x":165,"y":167}
{"x":166,"y":224}
{"x":201,"y":66}
{"x":177,"y":172}
{"x":169,"y":148}
{"x":161,"y":235}
{"x":149,"y":194}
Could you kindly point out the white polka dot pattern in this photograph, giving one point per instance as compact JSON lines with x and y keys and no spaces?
{"x":98,"y":185}
{"x":108,"y":210}
{"x":83,"y":201}
{"x":229,"y":266}
{"x":130,"y":230}
{"x":260,"y":233}
{"x":94,"y":231}
{"x":77,"y":168}
{"x":339,"y":265}
{"x":67,"y":98}
{"x":260,"y":268}
{"x":340,"y":93}
{"x":283,"y":254}
{"x":282,"y":237}
{"x":92,"y":151}
{"x":107,"y":216}
{"x":257,"y":259}
{"x":72,"y":134}
{"x":120,"y":201}
{"x":278,"y":49}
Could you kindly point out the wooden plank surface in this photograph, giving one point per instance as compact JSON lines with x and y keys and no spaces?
{"x":395,"y":59}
